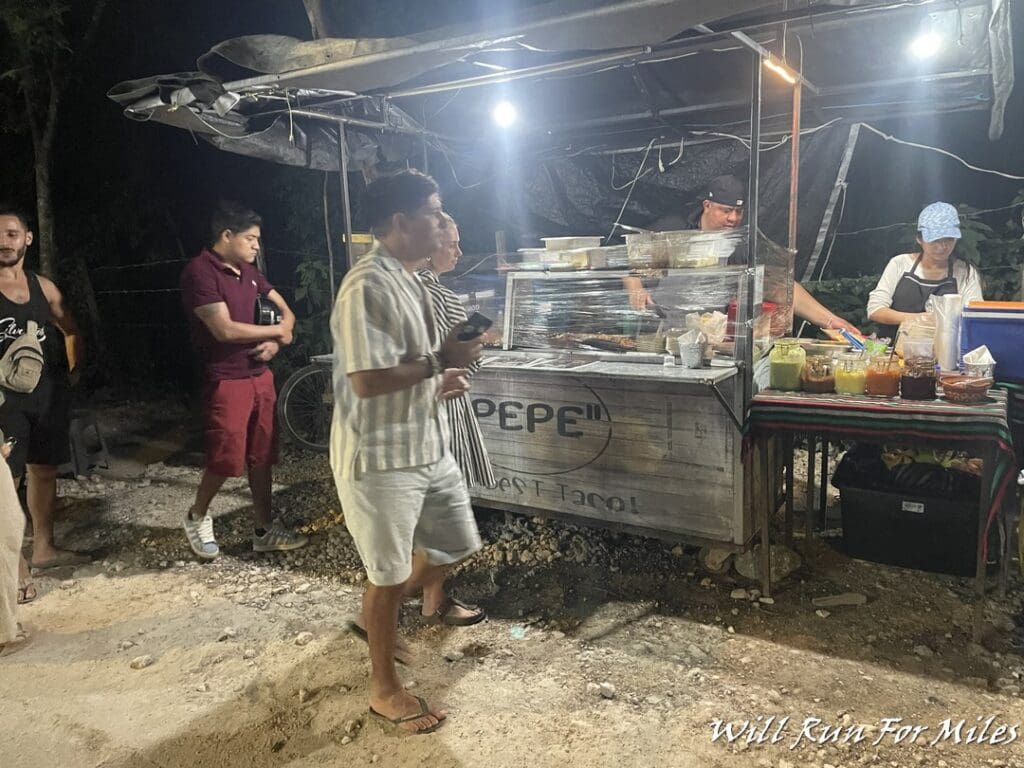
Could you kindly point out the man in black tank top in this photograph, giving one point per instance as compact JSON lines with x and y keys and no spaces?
{"x":36,"y":420}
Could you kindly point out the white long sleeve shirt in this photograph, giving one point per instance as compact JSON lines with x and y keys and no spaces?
{"x":968,"y":281}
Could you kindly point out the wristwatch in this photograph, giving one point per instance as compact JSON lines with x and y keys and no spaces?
{"x":434,"y":364}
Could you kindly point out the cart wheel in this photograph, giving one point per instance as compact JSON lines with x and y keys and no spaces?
{"x":305,"y":405}
{"x":714,"y":560}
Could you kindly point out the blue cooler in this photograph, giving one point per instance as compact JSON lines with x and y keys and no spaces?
{"x":999,"y":325}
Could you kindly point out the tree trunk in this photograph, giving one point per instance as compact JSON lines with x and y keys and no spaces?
{"x":44,"y":213}
{"x":77,"y":274}
{"x":77,"y":290}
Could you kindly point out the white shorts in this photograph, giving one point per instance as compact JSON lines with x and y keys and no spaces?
{"x":390,"y":514}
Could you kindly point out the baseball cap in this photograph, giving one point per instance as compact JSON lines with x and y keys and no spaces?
{"x":937,"y":221}
{"x":727,"y":190}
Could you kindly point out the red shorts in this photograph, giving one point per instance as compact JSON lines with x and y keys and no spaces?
{"x":240,"y":429}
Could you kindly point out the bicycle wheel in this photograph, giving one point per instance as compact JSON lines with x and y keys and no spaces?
{"x":305,"y":405}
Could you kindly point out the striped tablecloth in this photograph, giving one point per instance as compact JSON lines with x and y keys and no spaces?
{"x":896,"y":422}
{"x":1015,"y":395}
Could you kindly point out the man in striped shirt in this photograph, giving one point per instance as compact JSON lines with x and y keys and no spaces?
{"x":399,"y":485}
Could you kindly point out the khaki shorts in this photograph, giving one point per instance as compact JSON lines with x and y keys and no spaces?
{"x":390,"y":514}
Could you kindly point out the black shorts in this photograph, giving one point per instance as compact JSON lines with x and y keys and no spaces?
{"x":39,"y":421}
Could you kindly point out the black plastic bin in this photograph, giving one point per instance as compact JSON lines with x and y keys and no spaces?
{"x":930,"y":534}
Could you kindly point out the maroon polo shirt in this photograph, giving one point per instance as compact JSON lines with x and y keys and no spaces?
{"x":207,"y":280}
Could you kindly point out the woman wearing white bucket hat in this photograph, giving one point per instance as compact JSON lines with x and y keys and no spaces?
{"x":911,"y":278}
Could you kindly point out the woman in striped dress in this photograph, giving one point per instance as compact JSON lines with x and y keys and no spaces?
{"x":467,"y":443}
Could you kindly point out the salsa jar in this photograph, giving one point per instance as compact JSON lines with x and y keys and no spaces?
{"x":883,"y":379}
{"x":850,"y":373}
{"x":786,"y":363}
{"x":918,"y":380}
{"x":818,"y":375}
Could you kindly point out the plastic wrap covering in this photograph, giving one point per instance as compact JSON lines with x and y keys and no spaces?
{"x":685,"y":249}
{"x":696,"y":249}
{"x":778,"y":265}
{"x":581,"y":310}
{"x":606,"y":257}
{"x":637,"y":309}
{"x":596,"y":310}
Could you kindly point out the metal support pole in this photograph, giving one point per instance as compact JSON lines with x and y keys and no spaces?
{"x":812,"y":442}
{"x":823,"y":488}
{"x":794,"y":166}
{"x":346,"y":200}
{"x":752,"y":239}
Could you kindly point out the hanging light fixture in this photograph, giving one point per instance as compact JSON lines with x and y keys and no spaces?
{"x":504,"y":114}
{"x":780,"y":69}
{"x":926,"y":45}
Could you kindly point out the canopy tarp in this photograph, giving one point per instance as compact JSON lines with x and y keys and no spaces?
{"x":650,"y":70}
{"x":592,"y":78}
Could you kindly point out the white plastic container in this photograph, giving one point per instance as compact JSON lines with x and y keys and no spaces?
{"x":570,"y":243}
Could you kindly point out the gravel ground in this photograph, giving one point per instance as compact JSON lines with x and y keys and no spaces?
{"x":600,"y":648}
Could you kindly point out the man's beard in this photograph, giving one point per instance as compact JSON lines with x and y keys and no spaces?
{"x":9,"y":257}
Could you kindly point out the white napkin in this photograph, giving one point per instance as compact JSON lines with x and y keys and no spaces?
{"x":979,"y":356}
{"x":693,"y":337}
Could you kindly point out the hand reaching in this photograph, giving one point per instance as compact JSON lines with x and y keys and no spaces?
{"x":839,"y":323}
{"x":454,"y":383}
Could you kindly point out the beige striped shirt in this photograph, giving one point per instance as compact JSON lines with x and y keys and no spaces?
{"x":380,"y":319}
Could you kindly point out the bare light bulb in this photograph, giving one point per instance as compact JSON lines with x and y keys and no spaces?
{"x":504,"y":114}
{"x":926,"y":45}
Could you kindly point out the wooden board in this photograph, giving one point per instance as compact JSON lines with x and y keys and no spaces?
{"x":646,"y":454}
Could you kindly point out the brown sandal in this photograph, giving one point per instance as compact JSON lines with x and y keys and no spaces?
{"x":26,"y":591}
{"x":18,"y":643}
{"x":443,"y":614}
{"x":399,"y":721}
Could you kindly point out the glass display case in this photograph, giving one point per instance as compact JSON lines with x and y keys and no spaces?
{"x":636,"y":310}
{"x":676,"y":281}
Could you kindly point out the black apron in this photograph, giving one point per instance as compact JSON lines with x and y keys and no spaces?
{"x":912,"y":292}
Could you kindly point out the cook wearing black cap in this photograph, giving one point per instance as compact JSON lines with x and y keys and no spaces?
{"x":722,"y":207}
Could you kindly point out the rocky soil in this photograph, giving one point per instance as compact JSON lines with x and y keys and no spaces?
{"x":600,"y":648}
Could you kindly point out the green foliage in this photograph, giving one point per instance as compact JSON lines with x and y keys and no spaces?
{"x":313,"y":298}
{"x":998,"y":252}
{"x":296,"y":205}
{"x":35,"y":44}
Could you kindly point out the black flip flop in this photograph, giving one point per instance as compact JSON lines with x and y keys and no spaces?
{"x":443,"y":614}
{"x":398,"y":721}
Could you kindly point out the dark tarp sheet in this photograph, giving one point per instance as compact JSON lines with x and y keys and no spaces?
{"x":574,"y":196}
{"x":370,"y":65}
{"x":1001,"y":43}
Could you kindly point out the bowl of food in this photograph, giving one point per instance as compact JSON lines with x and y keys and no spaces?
{"x":967,"y":390}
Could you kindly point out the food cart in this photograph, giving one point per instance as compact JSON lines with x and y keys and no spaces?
{"x":618,"y":435}
{"x":586,"y":410}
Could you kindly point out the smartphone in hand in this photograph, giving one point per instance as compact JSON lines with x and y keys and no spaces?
{"x":476,"y":326}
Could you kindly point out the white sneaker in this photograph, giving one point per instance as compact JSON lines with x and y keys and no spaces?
{"x":277,"y":538}
{"x":200,"y":537}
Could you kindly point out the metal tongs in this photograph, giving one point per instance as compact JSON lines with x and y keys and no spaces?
{"x":657,"y":309}
{"x":853,"y":340}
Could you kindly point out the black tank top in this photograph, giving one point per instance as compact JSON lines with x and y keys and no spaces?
{"x":14,"y":321}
